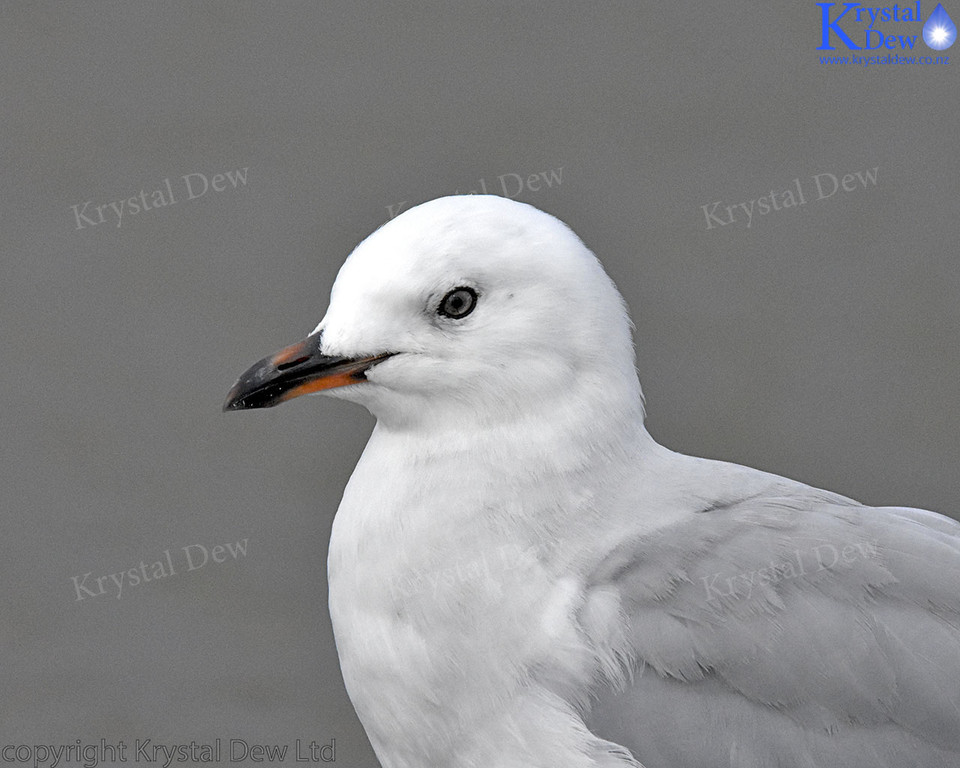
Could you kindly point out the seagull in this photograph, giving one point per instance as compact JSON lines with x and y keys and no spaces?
{"x":521,"y":577}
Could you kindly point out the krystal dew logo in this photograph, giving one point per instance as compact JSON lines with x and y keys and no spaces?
{"x":195,"y":185}
{"x":865,"y":24}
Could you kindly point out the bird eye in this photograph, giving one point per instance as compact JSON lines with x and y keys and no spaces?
{"x":458,"y":303}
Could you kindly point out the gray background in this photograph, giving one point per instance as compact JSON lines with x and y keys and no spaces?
{"x":820,"y":343}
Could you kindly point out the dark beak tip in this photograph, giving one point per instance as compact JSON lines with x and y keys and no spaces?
{"x":232,"y":403}
{"x":238,"y":400}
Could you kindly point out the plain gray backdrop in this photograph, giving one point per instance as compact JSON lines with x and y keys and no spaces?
{"x":819,"y":343}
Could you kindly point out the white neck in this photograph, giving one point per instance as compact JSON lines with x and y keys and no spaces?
{"x":426,"y":546}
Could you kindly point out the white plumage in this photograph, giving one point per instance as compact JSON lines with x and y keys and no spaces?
{"x":520,"y":576}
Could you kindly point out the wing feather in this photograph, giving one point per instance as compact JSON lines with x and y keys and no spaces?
{"x":793,"y":630}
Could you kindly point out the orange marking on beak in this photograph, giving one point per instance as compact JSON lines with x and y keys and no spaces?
{"x":289,"y":354}
{"x":321,"y":383}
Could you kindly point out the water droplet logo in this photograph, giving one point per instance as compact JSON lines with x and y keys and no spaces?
{"x":939,"y":33}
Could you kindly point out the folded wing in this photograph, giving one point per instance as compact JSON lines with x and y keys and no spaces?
{"x":789,"y":631}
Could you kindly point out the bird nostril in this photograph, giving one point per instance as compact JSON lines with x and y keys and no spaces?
{"x":284,"y":366}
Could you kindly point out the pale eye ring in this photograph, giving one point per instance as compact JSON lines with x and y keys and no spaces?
{"x":458,"y":303}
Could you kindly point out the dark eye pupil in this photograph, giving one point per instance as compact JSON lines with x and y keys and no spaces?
{"x":459,"y":302}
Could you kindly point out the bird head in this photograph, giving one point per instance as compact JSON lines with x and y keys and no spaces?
{"x":463,"y":308}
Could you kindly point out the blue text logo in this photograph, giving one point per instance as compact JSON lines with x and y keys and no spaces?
{"x":939,"y":32}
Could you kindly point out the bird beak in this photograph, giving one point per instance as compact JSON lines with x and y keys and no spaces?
{"x":293,"y":371}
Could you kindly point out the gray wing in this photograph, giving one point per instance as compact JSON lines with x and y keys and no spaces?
{"x":790,"y":632}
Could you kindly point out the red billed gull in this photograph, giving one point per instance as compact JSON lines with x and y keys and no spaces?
{"x":520,"y":577}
